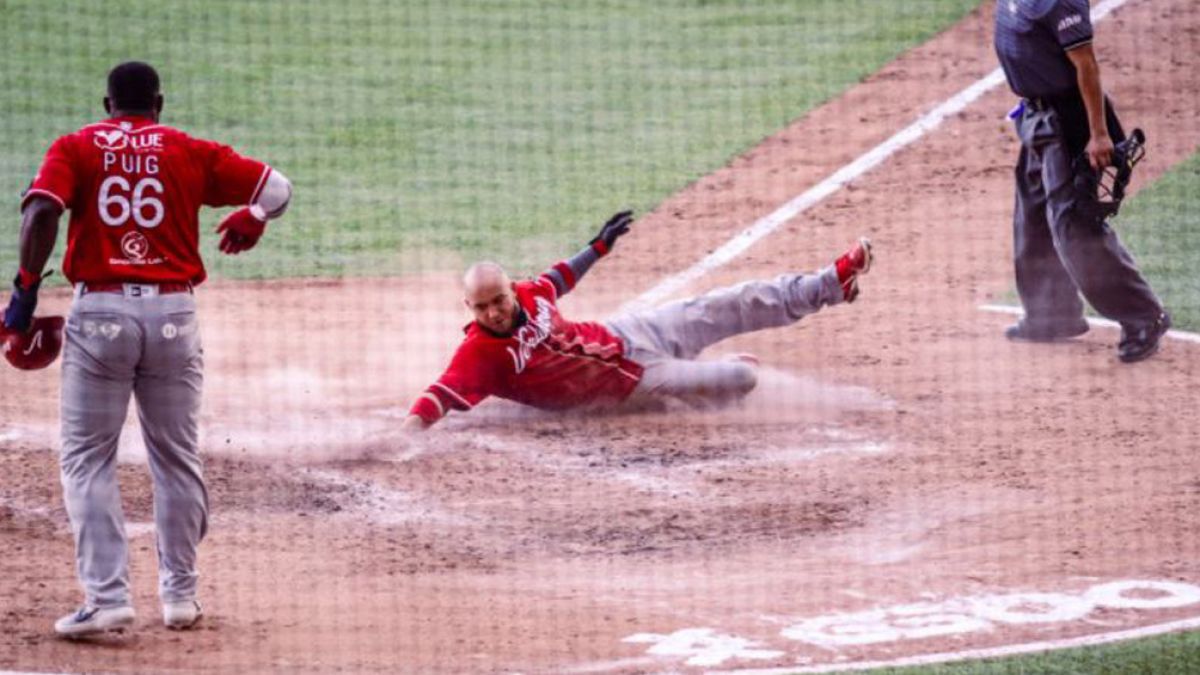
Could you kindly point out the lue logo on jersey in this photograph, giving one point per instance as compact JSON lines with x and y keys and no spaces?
{"x":111,"y":140}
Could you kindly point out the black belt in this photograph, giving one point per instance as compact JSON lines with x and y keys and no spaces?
{"x":1038,"y":104}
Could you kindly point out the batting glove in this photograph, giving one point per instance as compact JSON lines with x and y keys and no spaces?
{"x":19,"y":313}
{"x":615,"y":228}
{"x":241,"y":230}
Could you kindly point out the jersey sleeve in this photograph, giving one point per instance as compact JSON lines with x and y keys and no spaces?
{"x":565,"y":274}
{"x":1071,"y":23}
{"x":231,"y":179}
{"x":56,"y":178}
{"x":467,"y":381}
{"x":543,"y":286}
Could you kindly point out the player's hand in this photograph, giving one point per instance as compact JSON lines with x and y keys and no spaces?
{"x":616,"y":227}
{"x":19,"y":314}
{"x":1100,"y":151}
{"x":241,"y":230}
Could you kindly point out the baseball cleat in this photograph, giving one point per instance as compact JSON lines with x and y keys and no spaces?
{"x":1142,"y":343}
{"x":1023,"y":331}
{"x":852,"y":264}
{"x":93,"y":620}
{"x":181,"y":615}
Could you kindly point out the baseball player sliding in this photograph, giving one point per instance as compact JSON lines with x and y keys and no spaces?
{"x":520,"y":348}
{"x":134,"y":188}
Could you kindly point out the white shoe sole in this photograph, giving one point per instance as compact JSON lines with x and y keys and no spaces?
{"x":115,"y":619}
{"x":182,"y":615}
{"x":866,"y":244}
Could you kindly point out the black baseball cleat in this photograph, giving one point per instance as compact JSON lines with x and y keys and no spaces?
{"x":1026,"y":332}
{"x":1141,"y":343}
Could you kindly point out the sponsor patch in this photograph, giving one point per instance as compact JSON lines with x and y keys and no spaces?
{"x":1070,"y":22}
{"x":110,"y":139}
{"x":956,"y":616}
{"x":135,"y":245}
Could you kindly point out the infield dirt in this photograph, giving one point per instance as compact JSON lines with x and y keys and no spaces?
{"x":899,"y":449}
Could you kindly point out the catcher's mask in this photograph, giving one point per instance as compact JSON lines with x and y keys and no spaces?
{"x":35,"y":348}
{"x":1100,"y":192}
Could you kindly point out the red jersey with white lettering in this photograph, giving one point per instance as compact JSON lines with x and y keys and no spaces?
{"x":548,"y":362}
{"x":134,"y":188}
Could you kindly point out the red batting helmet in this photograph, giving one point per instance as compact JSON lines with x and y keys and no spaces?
{"x":35,"y":348}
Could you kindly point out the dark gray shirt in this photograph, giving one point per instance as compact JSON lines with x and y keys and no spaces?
{"x":1032,"y":40}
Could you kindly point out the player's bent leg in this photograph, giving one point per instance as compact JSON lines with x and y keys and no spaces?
{"x":684,"y":328}
{"x":168,"y":394}
{"x":98,"y":359}
{"x":697,"y":383}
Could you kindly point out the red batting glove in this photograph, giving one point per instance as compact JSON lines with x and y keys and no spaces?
{"x":241,"y":229}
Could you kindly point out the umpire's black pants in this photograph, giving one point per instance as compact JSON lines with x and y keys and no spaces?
{"x":1057,"y":253}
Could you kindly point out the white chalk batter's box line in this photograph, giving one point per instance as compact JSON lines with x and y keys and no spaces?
{"x":1182,"y":336}
{"x":828,"y":634}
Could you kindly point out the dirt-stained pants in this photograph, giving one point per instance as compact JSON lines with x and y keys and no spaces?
{"x":148,"y":345}
{"x":666,"y":340}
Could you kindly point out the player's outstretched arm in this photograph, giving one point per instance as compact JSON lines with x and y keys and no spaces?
{"x":466,"y":382}
{"x":567,"y":273}
{"x":242,"y":229}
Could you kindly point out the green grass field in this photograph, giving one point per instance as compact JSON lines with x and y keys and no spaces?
{"x":1159,"y":225}
{"x":1167,"y":655}
{"x":419,"y":131}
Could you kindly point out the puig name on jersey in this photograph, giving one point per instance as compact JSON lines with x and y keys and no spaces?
{"x":144,"y":146}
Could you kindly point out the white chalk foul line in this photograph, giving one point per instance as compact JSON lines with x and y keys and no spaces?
{"x":995,"y":652}
{"x":1181,"y":335}
{"x":806,"y":200}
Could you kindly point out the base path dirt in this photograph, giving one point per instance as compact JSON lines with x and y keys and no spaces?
{"x":904,"y":482}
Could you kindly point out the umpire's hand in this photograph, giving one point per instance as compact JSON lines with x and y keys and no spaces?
{"x":1100,"y":151}
{"x":615,"y":228}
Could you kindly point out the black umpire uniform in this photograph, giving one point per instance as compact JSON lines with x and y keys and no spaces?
{"x":1057,"y":250}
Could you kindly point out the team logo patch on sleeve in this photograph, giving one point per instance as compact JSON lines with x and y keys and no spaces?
{"x":1070,"y":22}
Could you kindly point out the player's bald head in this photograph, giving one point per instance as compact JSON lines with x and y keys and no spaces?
{"x":483,"y":277}
{"x":488,"y":293}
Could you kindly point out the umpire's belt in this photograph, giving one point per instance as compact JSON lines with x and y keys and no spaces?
{"x":1038,"y":104}
{"x":133,"y":290}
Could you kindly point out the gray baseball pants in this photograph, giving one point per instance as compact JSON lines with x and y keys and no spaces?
{"x":666,"y":340}
{"x":1056,"y":253}
{"x":148,"y":345}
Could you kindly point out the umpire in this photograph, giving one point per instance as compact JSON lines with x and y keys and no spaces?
{"x":1045,"y":49}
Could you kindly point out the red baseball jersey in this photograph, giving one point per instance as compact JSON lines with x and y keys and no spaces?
{"x":548,"y":362}
{"x":134,"y":189}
